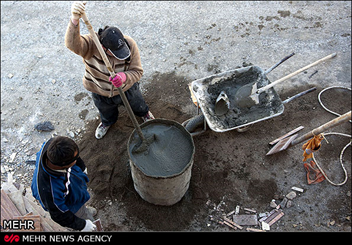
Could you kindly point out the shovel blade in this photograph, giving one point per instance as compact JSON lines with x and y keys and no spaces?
{"x":222,"y":104}
{"x":144,"y":144}
{"x":247,"y":96}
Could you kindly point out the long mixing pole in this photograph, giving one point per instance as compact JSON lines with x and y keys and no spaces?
{"x":112,"y":74}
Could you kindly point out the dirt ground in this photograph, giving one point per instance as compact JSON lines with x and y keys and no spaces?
{"x":179,"y":42}
{"x":229,"y":168}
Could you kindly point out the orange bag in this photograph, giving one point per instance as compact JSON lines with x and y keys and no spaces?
{"x":312,"y":169}
{"x":311,"y":145}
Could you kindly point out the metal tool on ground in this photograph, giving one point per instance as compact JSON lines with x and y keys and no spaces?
{"x":294,"y":139}
{"x":145,"y":140}
{"x":286,"y":135}
{"x":248,"y":95}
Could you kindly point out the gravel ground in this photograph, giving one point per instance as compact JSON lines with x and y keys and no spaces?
{"x":41,"y":78}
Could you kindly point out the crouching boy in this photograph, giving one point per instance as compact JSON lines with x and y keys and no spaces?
{"x":60,"y":184}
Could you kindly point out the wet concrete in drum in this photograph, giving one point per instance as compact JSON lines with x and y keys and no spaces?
{"x":167,"y":155}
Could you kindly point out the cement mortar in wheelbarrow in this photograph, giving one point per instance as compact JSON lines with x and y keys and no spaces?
{"x":250,"y":96}
{"x":206,"y":90}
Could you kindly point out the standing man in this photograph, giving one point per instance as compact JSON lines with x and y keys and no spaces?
{"x":60,"y":184}
{"x":123,"y":55}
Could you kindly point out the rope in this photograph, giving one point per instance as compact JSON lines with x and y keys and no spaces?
{"x":341,"y":156}
{"x":334,"y":133}
{"x":321,"y":103}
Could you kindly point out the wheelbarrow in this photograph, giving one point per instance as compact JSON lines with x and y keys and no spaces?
{"x":206,"y":92}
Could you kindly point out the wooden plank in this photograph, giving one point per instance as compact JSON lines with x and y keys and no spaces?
{"x":8,"y":206}
{"x":255,"y":230}
{"x":273,"y":217}
{"x":194,"y":99}
{"x":5,"y":213}
{"x":250,"y":210}
{"x":282,"y":144}
{"x":34,"y":218}
{"x":230,"y":225}
{"x":45,"y":216}
{"x":286,"y":135}
{"x":16,"y":198}
{"x":233,"y":223}
{"x":31,"y":207}
{"x":277,"y":217}
{"x":29,"y":194}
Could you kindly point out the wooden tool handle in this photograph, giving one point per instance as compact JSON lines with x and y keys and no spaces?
{"x":262,"y":89}
{"x":112,"y":74}
{"x":333,"y":123}
{"x":98,"y":44}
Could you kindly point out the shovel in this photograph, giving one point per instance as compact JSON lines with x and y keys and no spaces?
{"x":288,"y":140}
{"x":222,"y":104}
{"x":145,"y":141}
{"x":248,"y":95}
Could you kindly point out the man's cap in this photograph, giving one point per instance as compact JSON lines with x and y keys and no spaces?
{"x":112,"y":39}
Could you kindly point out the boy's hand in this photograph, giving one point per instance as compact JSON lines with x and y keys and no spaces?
{"x":77,"y":9}
{"x":118,"y":80}
{"x":89,"y":226}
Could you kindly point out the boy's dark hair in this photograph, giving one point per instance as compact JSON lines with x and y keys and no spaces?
{"x":61,"y":151}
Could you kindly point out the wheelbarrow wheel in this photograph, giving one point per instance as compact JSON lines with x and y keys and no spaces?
{"x":193,"y":123}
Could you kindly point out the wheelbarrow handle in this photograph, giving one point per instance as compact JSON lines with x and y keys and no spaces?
{"x":278,"y":63}
{"x":262,"y":89}
{"x":299,"y":95}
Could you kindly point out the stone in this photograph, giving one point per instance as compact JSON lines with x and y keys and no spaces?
{"x":291,"y":195}
{"x":283,"y":202}
{"x":246,"y":219}
{"x":289,"y":204}
{"x":273,"y":204}
{"x":44,"y":126}
{"x":13,"y":156}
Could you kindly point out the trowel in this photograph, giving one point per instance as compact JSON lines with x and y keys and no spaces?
{"x":222,"y":104}
{"x":145,"y":141}
{"x":248,"y":95}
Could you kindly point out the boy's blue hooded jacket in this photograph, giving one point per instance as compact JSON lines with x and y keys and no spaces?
{"x":61,"y":193}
